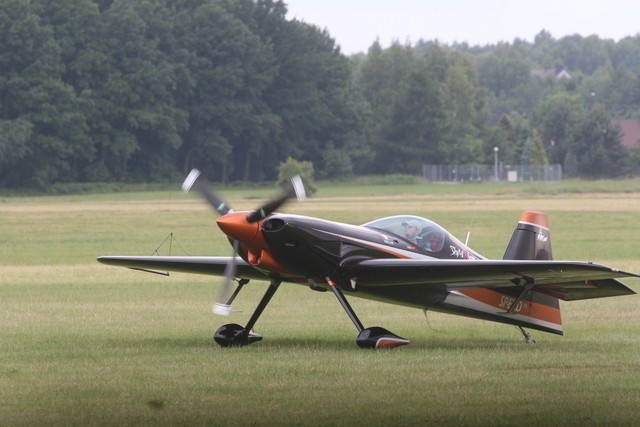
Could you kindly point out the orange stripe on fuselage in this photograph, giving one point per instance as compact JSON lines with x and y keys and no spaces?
{"x":526,"y":307}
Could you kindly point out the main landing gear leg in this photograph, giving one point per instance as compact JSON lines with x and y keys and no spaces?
{"x":527,"y":336}
{"x":374,"y":337}
{"x":234,"y":335}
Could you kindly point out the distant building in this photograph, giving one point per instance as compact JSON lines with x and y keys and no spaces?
{"x":630,"y":130}
{"x":543,"y":73}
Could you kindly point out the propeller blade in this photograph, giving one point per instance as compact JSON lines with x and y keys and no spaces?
{"x":197,"y":182}
{"x":223,"y":304}
{"x":296,"y":190}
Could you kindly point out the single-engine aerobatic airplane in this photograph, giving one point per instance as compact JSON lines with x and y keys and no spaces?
{"x":405,"y":260}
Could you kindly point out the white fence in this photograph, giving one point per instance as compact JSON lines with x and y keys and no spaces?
{"x":479,"y":173}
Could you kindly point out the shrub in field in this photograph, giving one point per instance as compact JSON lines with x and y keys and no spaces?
{"x":293,"y":167}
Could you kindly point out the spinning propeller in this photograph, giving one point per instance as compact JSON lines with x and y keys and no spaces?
{"x":197,"y":182}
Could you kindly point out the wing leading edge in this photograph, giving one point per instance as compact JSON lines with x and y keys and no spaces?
{"x":214,"y":266}
{"x":568,"y":281}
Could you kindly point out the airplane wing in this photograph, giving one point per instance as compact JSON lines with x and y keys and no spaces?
{"x":562,"y":279}
{"x":184,"y":264}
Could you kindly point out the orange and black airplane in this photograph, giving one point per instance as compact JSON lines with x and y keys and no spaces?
{"x":405,"y":260}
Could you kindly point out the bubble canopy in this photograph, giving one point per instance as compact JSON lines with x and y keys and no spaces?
{"x":425,"y":233}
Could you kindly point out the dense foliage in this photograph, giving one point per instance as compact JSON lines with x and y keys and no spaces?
{"x":114,"y":90}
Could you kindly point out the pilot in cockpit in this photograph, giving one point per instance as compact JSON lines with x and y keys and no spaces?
{"x":432,"y":240}
{"x":429,"y":238}
{"x":412,"y":230}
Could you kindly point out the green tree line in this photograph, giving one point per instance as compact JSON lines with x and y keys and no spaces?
{"x":115,"y":90}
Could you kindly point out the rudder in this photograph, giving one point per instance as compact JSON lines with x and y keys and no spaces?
{"x":531,"y":239}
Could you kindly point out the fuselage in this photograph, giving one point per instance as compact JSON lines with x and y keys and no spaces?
{"x":296,"y":246}
{"x":307,"y":250}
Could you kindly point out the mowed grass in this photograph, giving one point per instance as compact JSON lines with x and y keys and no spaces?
{"x":83,"y":343}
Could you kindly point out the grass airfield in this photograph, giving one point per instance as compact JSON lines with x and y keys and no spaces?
{"x":84,"y":343}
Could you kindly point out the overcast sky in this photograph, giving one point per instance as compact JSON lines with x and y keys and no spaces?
{"x":355,"y":24}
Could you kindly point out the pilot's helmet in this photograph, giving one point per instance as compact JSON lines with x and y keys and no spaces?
{"x":412,"y":223}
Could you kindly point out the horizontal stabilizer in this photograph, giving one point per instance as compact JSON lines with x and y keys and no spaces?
{"x":586,"y":290}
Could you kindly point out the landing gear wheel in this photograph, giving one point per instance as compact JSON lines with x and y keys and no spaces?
{"x":377,"y":337}
{"x":234,"y":335}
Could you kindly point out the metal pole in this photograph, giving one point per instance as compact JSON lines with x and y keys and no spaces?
{"x":495,"y":163}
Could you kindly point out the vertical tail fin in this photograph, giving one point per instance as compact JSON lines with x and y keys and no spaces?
{"x":530,"y":240}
